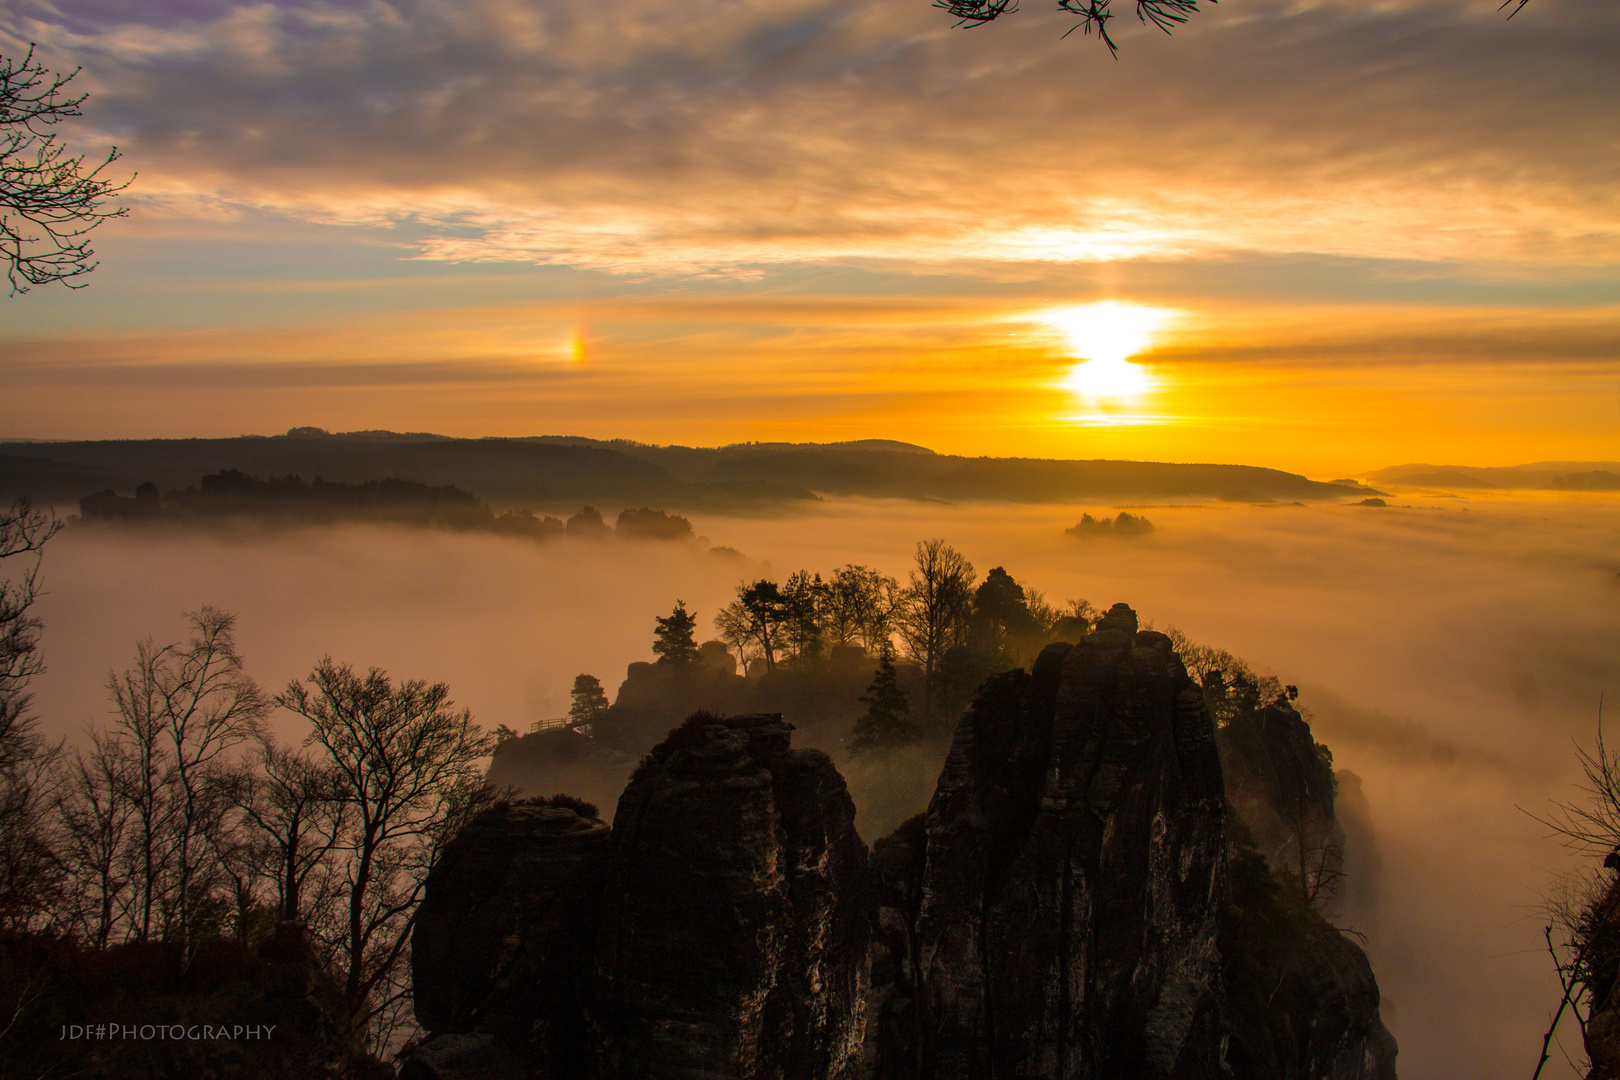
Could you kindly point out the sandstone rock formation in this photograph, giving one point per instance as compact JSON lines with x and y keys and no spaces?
{"x":718,"y":930}
{"x":1072,"y":878}
{"x":503,"y":939}
{"x":1280,"y":780}
{"x":735,"y":918}
{"x":1079,"y":902}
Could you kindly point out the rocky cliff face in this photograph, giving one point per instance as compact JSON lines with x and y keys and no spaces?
{"x":1077,"y":902}
{"x":503,"y":941}
{"x":735,"y":918}
{"x":1280,"y":780}
{"x":719,"y":929}
{"x":1061,"y":919}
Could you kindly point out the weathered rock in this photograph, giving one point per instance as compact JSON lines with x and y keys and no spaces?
{"x":734,"y":933}
{"x":894,"y":1032}
{"x":1302,"y":1003}
{"x":503,"y":940}
{"x":1076,"y":903}
{"x":1280,"y":780}
{"x":1073,"y":876}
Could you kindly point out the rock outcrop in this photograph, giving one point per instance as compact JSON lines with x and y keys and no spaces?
{"x":503,"y":940}
{"x":735,"y":925}
{"x":1079,"y":902}
{"x":1280,"y":780}
{"x":719,"y":929}
{"x":1301,"y":1000}
{"x":1071,"y":879}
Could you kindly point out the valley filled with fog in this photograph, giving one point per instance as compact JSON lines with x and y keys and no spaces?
{"x":1448,"y":651}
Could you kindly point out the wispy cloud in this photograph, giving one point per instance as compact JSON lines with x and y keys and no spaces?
{"x":722,"y":137}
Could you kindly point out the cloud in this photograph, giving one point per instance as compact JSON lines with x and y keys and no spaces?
{"x":722,"y":137}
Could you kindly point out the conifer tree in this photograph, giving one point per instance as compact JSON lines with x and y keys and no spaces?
{"x":674,"y":643}
{"x":887,"y":722}
{"x":589,"y":702}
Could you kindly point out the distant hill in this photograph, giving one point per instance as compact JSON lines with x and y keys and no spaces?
{"x":1537,"y":476}
{"x":561,"y":472}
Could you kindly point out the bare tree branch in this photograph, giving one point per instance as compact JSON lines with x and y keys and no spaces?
{"x":49,"y":201}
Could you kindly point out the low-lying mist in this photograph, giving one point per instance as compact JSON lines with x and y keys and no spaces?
{"x":1447,"y":652}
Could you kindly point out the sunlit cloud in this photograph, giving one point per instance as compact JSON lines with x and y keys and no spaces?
{"x":722,"y":138}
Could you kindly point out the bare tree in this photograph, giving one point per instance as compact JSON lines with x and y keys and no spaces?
{"x":182,"y":709}
{"x":96,"y":818}
{"x":860,"y":606}
{"x":936,"y":610}
{"x":1585,"y":912}
{"x":405,"y":762}
{"x":49,"y":201}
{"x":29,"y":872}
{"x":297,"y":808}
{"x":24,"y":531}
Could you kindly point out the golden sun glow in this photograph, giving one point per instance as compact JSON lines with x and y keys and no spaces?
{"x":1104,"y":336}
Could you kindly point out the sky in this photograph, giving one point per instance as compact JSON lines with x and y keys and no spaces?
{"x":1317,"y":235}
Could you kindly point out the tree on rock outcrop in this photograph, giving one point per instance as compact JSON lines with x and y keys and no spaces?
{"x":588,"y":702}
{"x":673,"y":642}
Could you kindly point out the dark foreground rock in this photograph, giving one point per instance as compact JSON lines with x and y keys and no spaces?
{"x":504,"y":936}
{"x":1079,"y":902}
{"x":735,"y":919}
{"x":1072,"y":878}
{"x":1301,"y":1000}
{"x":719,"y":930}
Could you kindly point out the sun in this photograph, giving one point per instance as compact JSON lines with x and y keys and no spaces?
{"x":1104,"y":335}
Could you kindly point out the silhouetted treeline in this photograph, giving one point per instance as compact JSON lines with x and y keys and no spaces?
{"x":1123,"y":525}
{"x":553,"y":471}
{"x":235,"y":494}
{"x":856,"y":660}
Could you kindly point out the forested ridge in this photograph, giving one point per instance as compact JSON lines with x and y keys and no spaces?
{"x":549,"y":473}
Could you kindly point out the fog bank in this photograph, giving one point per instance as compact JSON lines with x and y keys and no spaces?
{"x":1448,"y":652}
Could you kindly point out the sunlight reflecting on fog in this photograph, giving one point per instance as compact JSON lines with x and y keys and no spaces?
{"x":1449,"y":652}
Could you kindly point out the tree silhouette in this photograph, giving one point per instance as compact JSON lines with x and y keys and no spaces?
{"x":756,"y":617}
{"x":405,"y":762}
{"x":860,"y":604}
{"x":673,"y":642}
{"x":49,"y":202}
{"x":887,"y":722}
{"x":589,"y":703}
{"x":1000,"y":606}
{"x":804,"y":612}
{"x":27,"y":864}
{"x":934,"y":615}
{"x":182,"y":709}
